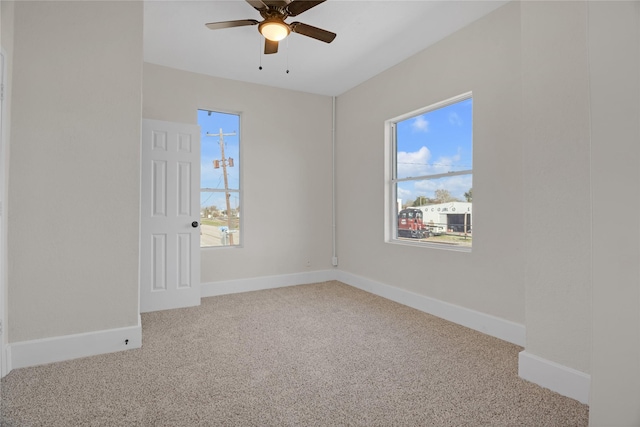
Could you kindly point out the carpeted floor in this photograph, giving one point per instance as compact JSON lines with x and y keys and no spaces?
{"x":324,"y":354}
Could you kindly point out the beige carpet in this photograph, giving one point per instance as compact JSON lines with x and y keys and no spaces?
{"x":313,"y":355}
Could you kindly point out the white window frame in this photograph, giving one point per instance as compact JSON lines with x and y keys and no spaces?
{"x":237,"y":163}
{"x":391,"y":180}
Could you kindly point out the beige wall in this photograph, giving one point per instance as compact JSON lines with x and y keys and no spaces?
{"x":74,"y":179}
{"x":557,"y":208}
{"x":615,"y":177}
{"x":483,"y":58}
{"x":6,"y":42}
{"x":286,"y":169}
{"x":581,"y":97}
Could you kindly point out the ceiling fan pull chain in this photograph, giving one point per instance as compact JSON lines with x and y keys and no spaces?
{"x":259,"y":52}
{"x":287,"y":55}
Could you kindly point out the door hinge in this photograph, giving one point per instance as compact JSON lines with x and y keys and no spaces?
{"x":1,"y":91}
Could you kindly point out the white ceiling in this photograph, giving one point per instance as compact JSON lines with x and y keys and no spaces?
{"x":373,"y":35}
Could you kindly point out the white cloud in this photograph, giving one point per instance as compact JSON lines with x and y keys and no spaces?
{"x":405,"y":194}
{"x":420,"y":124}
{"x":447,"y":164}
{"x":413,"y":164}
{"x":419,"y":163}
{"x":456,"y":185}
{"x":455,"y":119}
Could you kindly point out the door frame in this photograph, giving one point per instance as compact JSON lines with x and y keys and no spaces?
{"x":4,"y":167}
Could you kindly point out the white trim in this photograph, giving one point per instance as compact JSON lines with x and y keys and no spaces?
{"x":390,"y":171}
{"x":432,"y":107}
{"x":240,"y":167}
{"x":4,"y":171}
{"x":56,"y":349}
{"x":561,"y":379}
{"x":487,"y":324}
{"x":225,"y":287}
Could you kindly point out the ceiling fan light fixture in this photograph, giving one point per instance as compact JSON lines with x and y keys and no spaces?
{"x":274,"y":30}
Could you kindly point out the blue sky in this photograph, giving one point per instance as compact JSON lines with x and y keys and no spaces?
{"x":435,"y":142}
{"x":210,"y":150}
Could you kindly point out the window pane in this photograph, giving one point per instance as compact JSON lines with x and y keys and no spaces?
{"x":445,"y":205}
{"x":440,"y":190}
{"x":436,"y":142}
{"x":432,"y":172}
{"x":219,"y":179}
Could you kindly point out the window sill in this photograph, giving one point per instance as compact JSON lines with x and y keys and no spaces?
{"x":430,"y":245}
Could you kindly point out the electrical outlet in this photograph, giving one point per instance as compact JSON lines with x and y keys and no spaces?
{"x":334,"y":261}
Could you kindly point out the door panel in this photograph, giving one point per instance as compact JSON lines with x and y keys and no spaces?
{"x":184,"y":186}
{"x":184,"y":260}
{"x":159,"y":188}
{"x":169,"y":253}
{"x":159,"y":262}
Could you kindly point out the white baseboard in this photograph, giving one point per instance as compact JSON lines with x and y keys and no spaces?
{"x":561,"y":379}
{"x":56,"y":349}
{"x":491,"y":325}
{"x":225,"y":287}
{"x":558,"y":378}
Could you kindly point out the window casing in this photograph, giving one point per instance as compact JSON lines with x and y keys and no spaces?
{"x":429,"y":176}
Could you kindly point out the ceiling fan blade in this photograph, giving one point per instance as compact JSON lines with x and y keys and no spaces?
{"x":276,"y":3}
{"x":270,"y":47}
{"x":313,"y":32}
{"x":231,"y":24}
{"x":257,"y":4}
{"x":296,"y":7}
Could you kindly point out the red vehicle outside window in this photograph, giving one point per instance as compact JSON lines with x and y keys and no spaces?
{"x":410,"y":224}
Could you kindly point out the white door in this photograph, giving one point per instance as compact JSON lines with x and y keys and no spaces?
{"x":170,"y":229}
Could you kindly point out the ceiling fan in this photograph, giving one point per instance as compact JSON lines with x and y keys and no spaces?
{"x":273,"y":27}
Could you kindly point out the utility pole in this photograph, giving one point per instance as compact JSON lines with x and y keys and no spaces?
{"x":225,"y":162}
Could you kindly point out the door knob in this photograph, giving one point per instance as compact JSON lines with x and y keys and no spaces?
{"x":194,"y":224}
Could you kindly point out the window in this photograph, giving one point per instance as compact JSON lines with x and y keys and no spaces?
{"x":430,"y":170}
{"x":220,"y":197}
